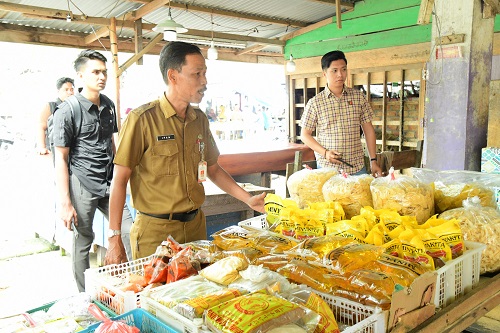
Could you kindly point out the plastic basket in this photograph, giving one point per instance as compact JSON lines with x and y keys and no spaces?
{"x":258,"y":222}
{"x":103,"y":284}
{"x":143,"y":320}
{"x":459,"y":276}
{"x":360,"y":318}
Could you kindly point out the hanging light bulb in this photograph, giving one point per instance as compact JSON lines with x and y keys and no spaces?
{"x":68,"y":17}
{"x":290,"y":65}
{"x":170,"y":28}
{"x":212,"y":52}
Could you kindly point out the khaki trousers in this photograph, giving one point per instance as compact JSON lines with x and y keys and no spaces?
{"x":148,"y":232}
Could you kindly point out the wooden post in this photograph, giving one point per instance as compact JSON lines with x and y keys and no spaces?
{"x":114,"y":51}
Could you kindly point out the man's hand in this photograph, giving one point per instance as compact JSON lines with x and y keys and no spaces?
{"x":257,"y":202}
{"x":376,"y":170}
{"x":42,"y":151}
{"x":68,"y":216}
{"x":116,"y":251}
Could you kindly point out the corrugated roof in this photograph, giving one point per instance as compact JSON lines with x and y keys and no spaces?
{"x":229,"y":20}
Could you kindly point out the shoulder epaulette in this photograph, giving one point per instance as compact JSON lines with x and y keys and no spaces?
{"x":141,"y":109}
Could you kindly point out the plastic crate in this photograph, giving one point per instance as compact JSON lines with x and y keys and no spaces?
{"x":459,"y":276}
{"x":258,"y":222}
{"x":103,"y":284}
{"x":360,"y":318}
{"x":143,"y":320}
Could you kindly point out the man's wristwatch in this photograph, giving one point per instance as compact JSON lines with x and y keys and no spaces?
{"x":112,"y":233}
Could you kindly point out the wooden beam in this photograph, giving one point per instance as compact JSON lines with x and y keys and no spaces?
{"x":344,"y":4}
{"x":307,"y":29}
{"x":136,"y":56}
{"x":146,"y":9}
{"x":103,"y":32}
{"x":233,"y":37}
{"x":113,"y":37}
{"x":424,"y":15}
{"x":338,"y":13}
{"x":138,"y":39}
{"x":252,"y":48}
{"x":228,"y":13}
{"x":491,"y":8}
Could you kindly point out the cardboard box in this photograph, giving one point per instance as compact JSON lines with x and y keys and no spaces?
{"x":411,"y":306}
{"x":490,"y":160}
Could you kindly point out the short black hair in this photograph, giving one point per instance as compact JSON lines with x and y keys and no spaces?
{"x":87,"y":55}
{"x":63,"y":80}
{"x":173,"y":56}
{"x":327,"y":59}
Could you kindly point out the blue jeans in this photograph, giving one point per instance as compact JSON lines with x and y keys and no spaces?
{"x":86,"y":204}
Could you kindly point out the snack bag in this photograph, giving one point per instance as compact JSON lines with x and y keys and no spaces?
{"x":352,"y":192}
{"x":194,"y":307}
{"x":252,"y":313}
{"x":225,"y":270}
{"x":406,"y":195}
{"x":306,"y":186}
{"x":479,"y":224}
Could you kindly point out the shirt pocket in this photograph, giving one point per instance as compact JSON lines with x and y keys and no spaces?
{"x":165,"y":158}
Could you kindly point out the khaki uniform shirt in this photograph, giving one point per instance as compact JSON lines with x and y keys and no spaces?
{"x":337,"y":122}
{"x":163,"y":152}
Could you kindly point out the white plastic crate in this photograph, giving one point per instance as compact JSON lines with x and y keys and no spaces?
{"x":361,"y":318}
{"x":103,"y":284}
{"x":459,"y":276}
{"x":258,"y":222}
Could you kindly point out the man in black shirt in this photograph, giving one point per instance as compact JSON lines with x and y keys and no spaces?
{"x":84,"y":161}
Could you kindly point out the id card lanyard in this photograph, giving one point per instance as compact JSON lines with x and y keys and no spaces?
{"x":202,"y":166}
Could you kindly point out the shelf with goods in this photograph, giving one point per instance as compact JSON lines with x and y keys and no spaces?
{"x":398,"y":108}
{"x":302,"y":89}
{"x":398,"y":121}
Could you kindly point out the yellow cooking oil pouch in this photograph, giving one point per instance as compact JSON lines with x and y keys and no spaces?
{"x":306,"y":225}
{"x":273,"y":204}
{"x":392,"y":247}
{"x":232,"y":238}
{"x":413,"y":249}
{"x":345,"y":229}
{"x":194,"y":307}
{"x":350,"y":257}
{"x":435,"y":247}
{"x":334,"y":209}
{"x":378,"y":235}
{"x":315,"y":249}
{"x":433,"y":221}
{"x":451,"y":233}
{"x":287,"y":226}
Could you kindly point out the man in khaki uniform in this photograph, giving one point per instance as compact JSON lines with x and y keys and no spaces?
{"x":166,"y":150}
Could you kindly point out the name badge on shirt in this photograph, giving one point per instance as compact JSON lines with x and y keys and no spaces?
{"x":165,"y":137}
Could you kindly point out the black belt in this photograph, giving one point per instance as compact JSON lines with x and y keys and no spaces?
{"x":183,"y":217}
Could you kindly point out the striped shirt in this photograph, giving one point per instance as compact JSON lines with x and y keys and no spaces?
{"x":337,"y":122}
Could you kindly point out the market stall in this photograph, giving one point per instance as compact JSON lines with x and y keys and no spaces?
{"x":313,"y":260}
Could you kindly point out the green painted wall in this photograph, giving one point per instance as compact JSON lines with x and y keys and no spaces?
{"x":373,"y":24}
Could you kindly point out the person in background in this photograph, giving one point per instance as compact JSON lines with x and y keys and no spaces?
{"x":166,"y":150}
{"x":65,"y":88}
{"x":84,"y":163}
{"x":336,"y":114}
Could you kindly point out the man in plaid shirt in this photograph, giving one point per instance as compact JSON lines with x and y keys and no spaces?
{"x":336,"y":114}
